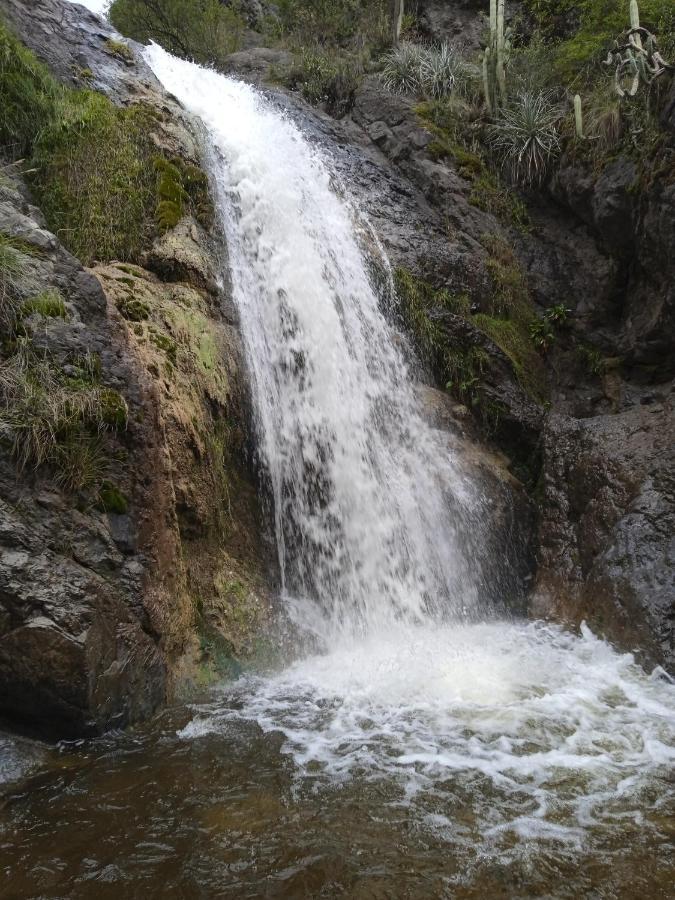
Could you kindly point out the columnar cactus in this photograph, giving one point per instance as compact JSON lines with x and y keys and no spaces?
{"x":578,"y":116}
{"x":399,"y":11}
{"x":636,"y":57}
{"x":495,"y":58}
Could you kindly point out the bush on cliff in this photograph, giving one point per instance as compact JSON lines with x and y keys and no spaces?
{"x":206,"y":31}
{"x":94,"y":177}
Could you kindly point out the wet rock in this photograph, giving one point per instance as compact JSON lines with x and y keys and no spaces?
{"x":98,"y":593}
{"x":607,"y":545}
{"x":508,"y":557}
{"x":182,"y":254}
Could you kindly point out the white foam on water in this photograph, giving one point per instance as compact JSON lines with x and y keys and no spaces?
{"x":561,"y":726}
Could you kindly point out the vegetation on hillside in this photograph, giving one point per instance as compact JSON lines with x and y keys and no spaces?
{"x":206,"y":31}
{"x":94,"y":171}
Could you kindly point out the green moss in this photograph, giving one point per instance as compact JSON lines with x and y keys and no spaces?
{"x":491,"y":195}
{"x":134,"y":310}
{"x":49,"y":304}
{"x":112,"y":500}
{"x":181,"y":187}
{"x":93,"y":177}
{"x":117,"y":48}
{"x":454,"y":139}
{"x":164,"y":343}
{"x":420,"y":304}
{"x":506,"y":323}
{"x":114,"y":411}
{"x":509,"y":320}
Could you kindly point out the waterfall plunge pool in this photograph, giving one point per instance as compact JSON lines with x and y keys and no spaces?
{"x":498,"y":760}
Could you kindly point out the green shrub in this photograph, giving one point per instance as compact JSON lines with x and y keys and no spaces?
{"x":28,"y":95}
{"x":112,"y":500}
{"x":204,"y":30}
{"x":49,"y":304}
{"x":94,"y":177}
{"x":335,"y":23}
{"x":324,"y":76}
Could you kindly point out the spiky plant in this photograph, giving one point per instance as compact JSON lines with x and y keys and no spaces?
{"x":402,"y":69}
{"x":79,"y":462}
{"x":12,"y":267}
{"x":604,"y":120}
{"x":442,"y":69}
{"x":526,"y":136}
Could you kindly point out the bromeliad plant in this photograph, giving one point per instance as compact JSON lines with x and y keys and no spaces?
{"x":432,"y":72}
{"x":526,"y":136}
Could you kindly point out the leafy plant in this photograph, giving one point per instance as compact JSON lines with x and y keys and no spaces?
{"x":526,"y":136}
{"x":543,"y":330}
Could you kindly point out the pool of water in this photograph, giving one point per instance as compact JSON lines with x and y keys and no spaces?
{"x":482,"y":761}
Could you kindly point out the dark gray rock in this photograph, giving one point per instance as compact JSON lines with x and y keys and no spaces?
{"x":607,"y":534}
{"x":259,"y":64}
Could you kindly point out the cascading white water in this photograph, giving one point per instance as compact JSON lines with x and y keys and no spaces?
{"x":362,"y":487}
{"x":370,"y":514}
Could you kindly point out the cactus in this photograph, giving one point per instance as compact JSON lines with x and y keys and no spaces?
{"x":578,"y":116}
{"x":635,"y":21}
{"x":495,"y":58}
{"x":399,"y":11}
{"x":636,"y":57}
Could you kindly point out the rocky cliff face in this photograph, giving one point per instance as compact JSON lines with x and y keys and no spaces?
{"x":112,"y":602}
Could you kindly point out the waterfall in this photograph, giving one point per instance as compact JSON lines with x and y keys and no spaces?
{"x":368,"y":507}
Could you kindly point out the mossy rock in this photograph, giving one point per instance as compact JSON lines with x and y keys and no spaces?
{"x":119,"y":49}
{"x":164,"y":343}
{"x":114,"y":409}
{"x":134,"y":310}
{"x":112,"y":500}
